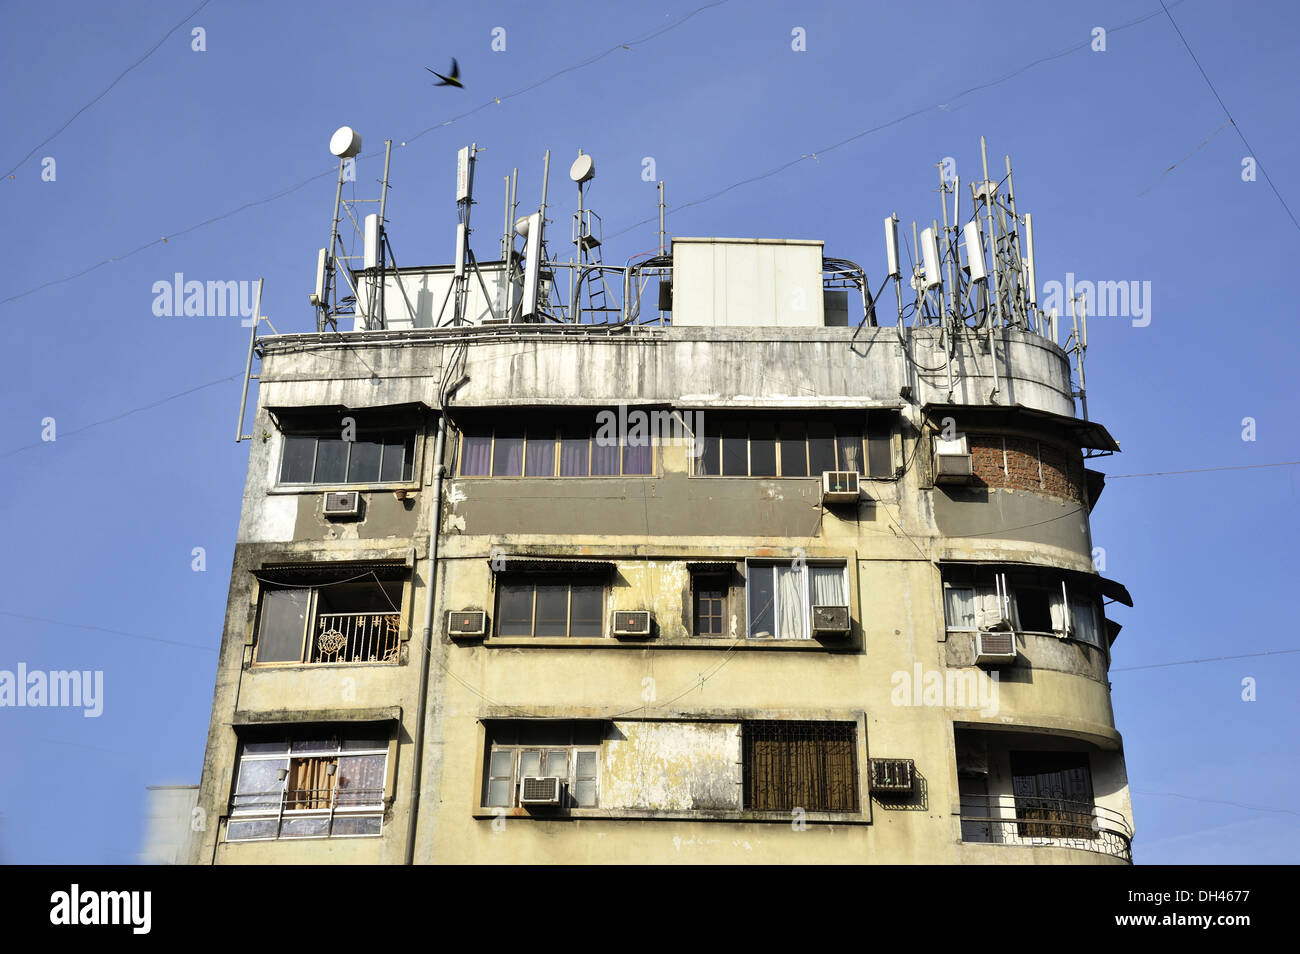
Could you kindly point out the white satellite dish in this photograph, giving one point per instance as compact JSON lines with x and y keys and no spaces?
{"x":583,"y":169}
{"x":521,"y":225}
{"x":346,"y":142}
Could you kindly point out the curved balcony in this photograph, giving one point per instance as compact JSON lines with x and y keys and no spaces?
{"x":1038,"y":822}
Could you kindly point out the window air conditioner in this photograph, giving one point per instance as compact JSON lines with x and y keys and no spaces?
{"x":342,"y":504}
{"x":995,"y":648}
{"x":840,"y":486}
{"x":892,"y":776}
{"x":539,"y":790}
{"x":466,"y":624}
{"x":632,"y":623}
{"x":952,"y":461}
{"x":830,"y":620}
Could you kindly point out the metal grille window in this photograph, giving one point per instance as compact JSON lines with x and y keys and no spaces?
{"x":808,"y":765}
{"x":710,"y":605}
{"x":777,"y":445}
{"x":1053,"y":793}
{"x":353,"y":622}
{"x":567,"y":751}
{"x":309,"y":788}
{"x":551,"y":607}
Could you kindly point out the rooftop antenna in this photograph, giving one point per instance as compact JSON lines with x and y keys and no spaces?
{"x":587,"y":239}
{"x":1079,"y":315}
{"x":335,"y":269}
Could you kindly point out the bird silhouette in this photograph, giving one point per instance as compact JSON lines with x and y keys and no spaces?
{"x":453,"y":79}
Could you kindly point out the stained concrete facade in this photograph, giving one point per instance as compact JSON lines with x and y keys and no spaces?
{"x":666,"y":716}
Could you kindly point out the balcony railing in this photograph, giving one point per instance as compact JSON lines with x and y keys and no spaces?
{"x":356,"y":637}
{"x":306,"y":813}
{"x":1045,"y":822}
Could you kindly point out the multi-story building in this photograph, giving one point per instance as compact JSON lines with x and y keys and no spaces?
{"x":771,"y":579}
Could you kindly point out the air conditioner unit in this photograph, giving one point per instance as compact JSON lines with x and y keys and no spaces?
{"x":995,"y":648}
{"x":840,"y":486}
{"x":342,"y":504}
{"x":632,"y":623}
{"x":830,"y":620}
{"x":952,"y":461}
{"x":539,"y":790}
{"x":892,"y":776}
{"x":466,"y":624}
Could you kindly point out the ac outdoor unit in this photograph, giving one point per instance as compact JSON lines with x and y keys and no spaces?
{"x":342,"y":503}
{"x":466,"y":624}
{"x":840,"y":486}
{"x":830,"y":620}
{"x":995,"y":648}
{"x":892,"y":776}
{"x":539,"y":790}
{"x":952,"y":461}
{"x":632,"y":623}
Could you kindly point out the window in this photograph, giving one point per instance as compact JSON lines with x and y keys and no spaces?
{"x":782,"y":445}
{"x":569,"y":751}
{"x":709,"y":605}
{"x":1034,"y":602}
{"x":1053,"y":793}
{"x":548,"y":606}
{"x":808,"y":765}
{"x":779,"y":596}
{"x":304,"y":787}
{"x":355,"y":621}
{"x":554,"y":446}
{"x":322,"y":456}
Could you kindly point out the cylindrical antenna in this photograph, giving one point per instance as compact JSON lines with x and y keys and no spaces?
{"x":930,"y":257}
{"x":505,"y":229}
{"x":975,"y":251}
{"x":663,"y":248}
{"x":1029,"y":266}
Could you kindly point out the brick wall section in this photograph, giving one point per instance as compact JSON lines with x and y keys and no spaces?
{"x":1062,"y":469}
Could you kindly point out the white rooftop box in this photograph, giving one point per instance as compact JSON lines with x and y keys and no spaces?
{"x":735,"y":282}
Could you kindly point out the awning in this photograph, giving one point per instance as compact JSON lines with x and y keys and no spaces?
{"x":335,"y":571}
{"x":516,"y":564}
{"x":300,"y":717}
{"x":1107,"y":588}
{"x":297,"y":417}
{"x":1096,"y":484}
{"x":1087,"y":434}
{"x":704,"y":566}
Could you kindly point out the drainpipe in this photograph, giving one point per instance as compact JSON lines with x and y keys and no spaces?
{"x":430,"y":592}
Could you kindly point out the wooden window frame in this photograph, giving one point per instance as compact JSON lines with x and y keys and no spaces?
{"x":541,"y":580}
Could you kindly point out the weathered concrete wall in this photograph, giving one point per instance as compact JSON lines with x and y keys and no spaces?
{"x":673,"y":765}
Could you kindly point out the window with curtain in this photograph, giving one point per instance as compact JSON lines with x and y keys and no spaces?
{"x":551,"y":445}
{"x":1053,"y":793}
{"x":1036,"y":602}
{"x":780,"y":597}
{"x":807,"y":765}
{"x":301,"y":787}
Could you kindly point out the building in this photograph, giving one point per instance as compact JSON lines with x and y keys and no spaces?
{"x":765,"y":576}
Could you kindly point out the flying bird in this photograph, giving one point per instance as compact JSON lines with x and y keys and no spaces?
{"x":452,"y":80}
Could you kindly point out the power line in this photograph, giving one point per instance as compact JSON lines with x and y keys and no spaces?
{"x":111,"y":632}
{"x":817,"y":153}
{"x":1217,"y":801}
{"x":1205,"y":470}
{"x":1190,"y":662}
{"x":118,"y":417}
{"x":495,"y":101}
{"x":1224,"y":106}
{"x":108,"y":89}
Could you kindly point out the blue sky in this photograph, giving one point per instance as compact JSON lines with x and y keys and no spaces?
{"x":102,"y":522}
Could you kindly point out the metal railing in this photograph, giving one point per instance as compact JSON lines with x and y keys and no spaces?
{"x":356,"y":637}
{"x":1045,"y":822}
{"x":306,"y":812}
